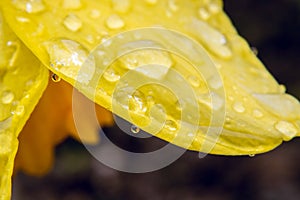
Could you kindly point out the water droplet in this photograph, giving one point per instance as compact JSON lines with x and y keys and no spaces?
{"x":72,"y":4}
{"x":16,"y":46}
{"x":7,"y":97}
{"x":55,"y":78}
{"x":287,"y":129}
{"x":215,"y":82}
{"x":214,"y":7}
{"x":29,"y":6}
{"x":172,"y":5}
{"x":72,"y":22}
{"x":171,"y":125}
{"x":194,"y":80}
{"x":19,"y":110}
{"x":203,"y":13}
{"x":251,"y":155}
{"x":138,"y":102}
{"x":115,"y":22}
{"x":152,"y":2}
{"x":134,"y":129}
{"x":214,"y":39}
{"x":71,"y":59}
{"x":22,"y":19}
{"x":90,"y":39}
{"x":111,"y":75}
{"x":239,"y":107}
{"x":254,"y":50}
{"x":121,"y":6}
{"x":94,"y":14}
{"x":257,"y":113}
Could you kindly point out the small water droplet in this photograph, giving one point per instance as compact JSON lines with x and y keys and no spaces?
{"x":72,"y":22}
{"x":215,"y":82}
{"x":152,"y":2}
{"x":7,"y":97}
{"x":287,"y":129}
{"x":22,"y":19}
{"x":203,"y":13}
{"x":172,"y":5}
{"x":194,"y":81}
{"x":254,"y":50}
{"x":115,"y":22}
{"x":16,"y":46}
{"x":239,"y":107}
{"x":94,"y":14}
{"x":257,"y":113}
{"x":111,"y":75}
{"x":251,"y":155}
{"x":19,"y":110}
{"x":134,"y":129}
{"x":214,"y":7}
{"x":29,"y":6}
{"x":55,"y":78}
{"x":90,"y":39}
{"x":171,"y":125}
{"x":121,"y":6}
{"x":72,"y":4}
{"x":138,"y":102}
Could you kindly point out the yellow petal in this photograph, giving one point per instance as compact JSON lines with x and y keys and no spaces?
{"x":22,"y":82}
{"x":211,"y":82}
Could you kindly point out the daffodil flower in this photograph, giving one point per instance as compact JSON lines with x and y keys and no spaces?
{"x":61,"y":39}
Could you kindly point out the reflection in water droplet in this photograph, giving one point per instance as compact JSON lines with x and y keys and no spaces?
{"x":194,"y":80}
{"x":287,"y":129}
{"x":72,"y":4}
{"x":121,"y":6}
{"x":111,"y":75}
{"x":72,"y":22}
{"x":55,"y":78}
{"x":115,"y":22}
{"x":239,"y":107}
{"x":94,"y":14}
{"x":134,"y":129}
{"x":138,"y":102}
{"x":7,"y":97}
{"x":171,"y":125}
{"x":257,"y":113}
{"x":215,"y":82}
{"x":30,"y":6}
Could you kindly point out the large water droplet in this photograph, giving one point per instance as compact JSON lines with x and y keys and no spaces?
{"x":171,"y":125}
{"x":138,"y":102}
{"x":239,"y":107}
{"x":287,"y":129}
{"x":72,"y":22}
{"x":71,"y":59}
{"x":215,"y":40}
{"x":115,"y":22}
{"x":72,"y":4}
{"x":29,"y":6}
{"x":111,"y":75}
{"x":121,"y":6}
{"x":7,"y":97}
{"x":134,"y":129}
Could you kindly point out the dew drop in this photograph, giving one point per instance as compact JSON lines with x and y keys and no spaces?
{"x":19,"y":110}
{"x":138,"y":102}
{"x":29,"y":6}
{"x":134,"y":129}
{"x":215,"y":82}
{"x":115,"y":22}
{"x":72,"y":22}
{"x":194,"y":81}
{"x":111,"y":75}
{"x":121,"y":6}
{"x":239,"y":107}
{"x":251,"y":155}
{"x":257,"y":114}
{"x":7,"y":97}
{"x":90,"y":39}
{"x":203,"y":13}
{"x":94,"y":14}
{"x":287,"y":129}
{"x":214,"y":7}
{"x":171,"y":125}
{"x":55,"y":78}
{"x":72,"y":4}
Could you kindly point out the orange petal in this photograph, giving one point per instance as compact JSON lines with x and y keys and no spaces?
{"x":50,"y":123}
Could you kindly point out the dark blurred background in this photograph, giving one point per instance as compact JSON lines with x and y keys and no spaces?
{"x":273,"y":27}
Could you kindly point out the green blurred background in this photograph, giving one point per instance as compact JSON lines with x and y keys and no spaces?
{"x":273,"y":27}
